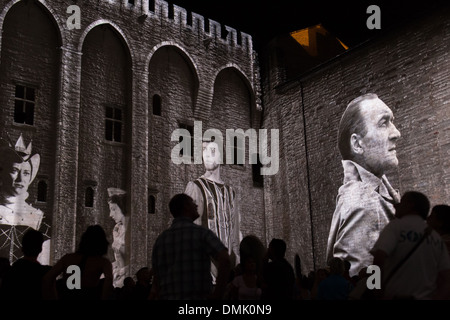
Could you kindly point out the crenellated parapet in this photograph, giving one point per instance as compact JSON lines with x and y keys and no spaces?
{"x":199,"y":24}
{"x":184,"y":19}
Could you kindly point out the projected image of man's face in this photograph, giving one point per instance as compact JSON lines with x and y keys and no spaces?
{"x":211,"y":156}
{"x":379,"y":143}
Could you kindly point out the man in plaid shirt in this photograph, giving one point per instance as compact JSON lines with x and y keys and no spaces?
{"x":181,"y":257}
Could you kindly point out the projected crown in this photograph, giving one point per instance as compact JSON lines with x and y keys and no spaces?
{"x":24,"y":152}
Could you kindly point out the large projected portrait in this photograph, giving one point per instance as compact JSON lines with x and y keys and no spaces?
{"x":365,"y":201}
{"x":18,"y":169}
{"x":216,"y":200}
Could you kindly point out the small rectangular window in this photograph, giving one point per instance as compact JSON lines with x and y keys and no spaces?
{"x":151,"y":204}
{"x":24,"y":103}
{"x":157,"y":105}
{"x":113,"y":124}
{"x":89,"y":197}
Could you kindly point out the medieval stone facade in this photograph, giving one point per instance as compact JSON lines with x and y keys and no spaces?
{"x":107,"y":97}
{"x":100,"y":103}
{"x":408,"y":68}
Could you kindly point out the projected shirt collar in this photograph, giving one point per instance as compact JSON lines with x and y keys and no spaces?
{"x":354,"y":172}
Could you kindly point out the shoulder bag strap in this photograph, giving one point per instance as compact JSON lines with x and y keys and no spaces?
{"x":395,"y":269}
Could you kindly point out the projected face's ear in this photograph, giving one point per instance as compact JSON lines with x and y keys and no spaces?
{"x":355,"y":144}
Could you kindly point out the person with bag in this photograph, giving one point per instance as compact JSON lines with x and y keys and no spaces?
{"x":96,"y":277}
{"x":413,"y":259}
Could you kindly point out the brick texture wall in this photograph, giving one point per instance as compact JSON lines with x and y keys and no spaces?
{"x":122,"y":55}
{"x":173,"y":78}
{"x":231,"y":109}
{"x":409,"y":70}
{"x":31,"y":58}
{"x":125,"y":54}
{"x":105,"y":82}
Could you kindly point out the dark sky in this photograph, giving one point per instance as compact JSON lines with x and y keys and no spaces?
{"x":346,"y":20}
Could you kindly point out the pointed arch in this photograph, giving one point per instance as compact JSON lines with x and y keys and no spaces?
{"x":183,"y":52}
{"x":248,"y":82}
{"x":116,"y":28}
{"x":248,"y":85}
{"x":105,"y":116}
{"x":186,"y":56}
{"x":59,"y":25}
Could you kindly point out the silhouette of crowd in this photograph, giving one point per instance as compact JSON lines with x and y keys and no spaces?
{"x":182,"y":257}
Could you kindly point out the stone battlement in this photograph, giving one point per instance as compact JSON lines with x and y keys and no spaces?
{"x":180,"y":17}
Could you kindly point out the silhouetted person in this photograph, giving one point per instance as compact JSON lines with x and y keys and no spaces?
{"x":301,"y":286}
{"x":143,"y":284}
{"x":279,"y":277}
{"x":439,"y":220}
{"x":181,"y":257}
{"x":316,"y":278}
{"x":247,"y":286}
{"x":24,"y":279}
{"x":90,"y":259}
{"x":426,"y":273}
{"x":126,"y":292}
{"x":4,"y":268}
{"x":360,"y":286}
{"x":298,"y":267}
{"x":347,"y":267}
{"x":335,"y":286}
{"x":128,"y":288}
{"x":251,"y":246}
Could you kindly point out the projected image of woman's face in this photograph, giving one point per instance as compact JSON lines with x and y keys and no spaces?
{"x":17,"y":179}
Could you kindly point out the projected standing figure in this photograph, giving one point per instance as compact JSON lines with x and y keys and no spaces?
{"x":18,"y":169}
{"x":365,"y":201}
{"x":216,"y":201}
{"x":117,"y":213}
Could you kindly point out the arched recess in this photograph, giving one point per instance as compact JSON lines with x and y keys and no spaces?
{"x":46,"y":9}
{"x":233,"y":100}
{"x":231,"y":109}
{"x":172,"y":75}
{"x":234,"y":76}
{"x":29,"y":83}
{"x":103,"y":22}
{"x":170,"y":61}
{"x":105,"y":120}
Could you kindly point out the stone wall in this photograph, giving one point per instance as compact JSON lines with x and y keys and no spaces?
{"x":122,"y":56}
{"x":408,"y":69}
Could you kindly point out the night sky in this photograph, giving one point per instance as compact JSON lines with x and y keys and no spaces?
{"x":344,"y":19}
